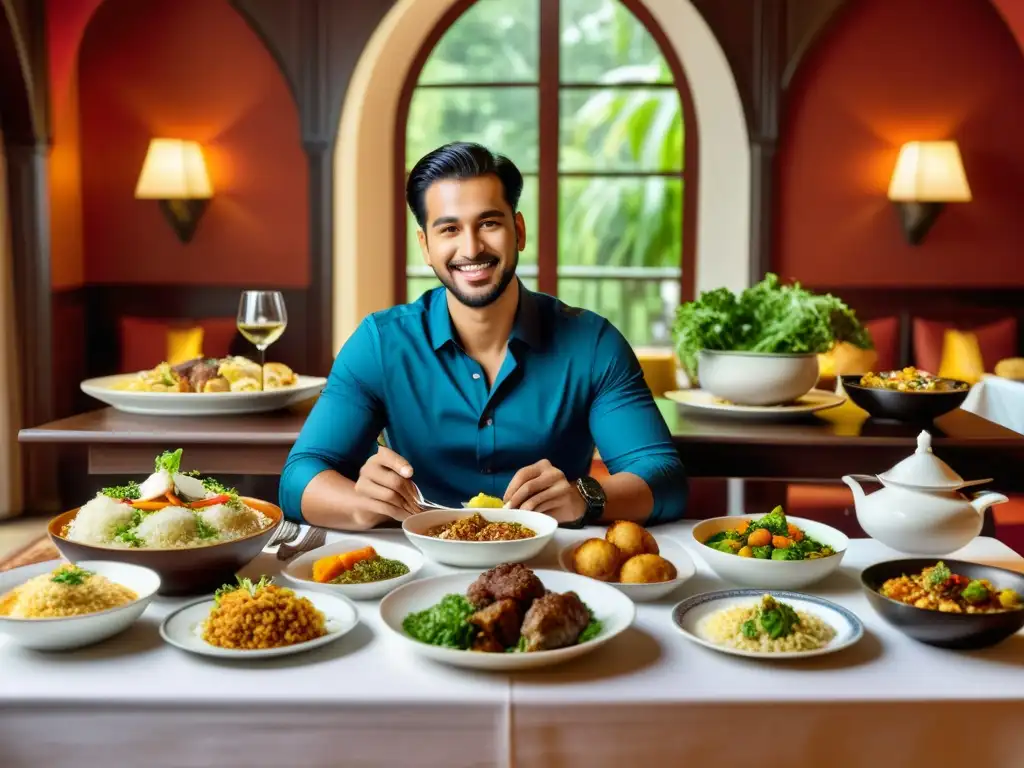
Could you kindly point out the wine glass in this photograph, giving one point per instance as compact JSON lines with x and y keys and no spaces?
{"x":261,"y":319}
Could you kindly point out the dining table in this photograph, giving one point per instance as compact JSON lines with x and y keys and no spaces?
{"x":649,"y":696}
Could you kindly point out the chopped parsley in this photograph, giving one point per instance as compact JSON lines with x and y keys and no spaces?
{"x":71,"y":574}
{"x":128,"y":491}
{"x":216,"y":486}
{"x":243,"y":583}
{"x":204,"y":529}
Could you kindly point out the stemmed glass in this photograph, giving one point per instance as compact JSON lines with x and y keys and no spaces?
{"x":262,"y":319}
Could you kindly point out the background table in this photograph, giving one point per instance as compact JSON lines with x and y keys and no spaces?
{"x":999,"y":400}
{"x":648,"y":698}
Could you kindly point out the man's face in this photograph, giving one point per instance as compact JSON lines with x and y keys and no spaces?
{"x":472,"y":239}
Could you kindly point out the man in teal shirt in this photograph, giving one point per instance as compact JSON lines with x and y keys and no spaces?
{"x":481,"y":386}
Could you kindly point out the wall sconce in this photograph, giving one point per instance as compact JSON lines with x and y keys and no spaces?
{"x":928,"y":174}
{"x":174,"y":174}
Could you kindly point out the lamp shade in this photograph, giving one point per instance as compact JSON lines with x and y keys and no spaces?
{"x":174,"y":170}
{"x":929,"y":171}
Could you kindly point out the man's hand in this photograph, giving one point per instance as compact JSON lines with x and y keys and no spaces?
{"x":542,"y":487}
{"x":384,"y":487}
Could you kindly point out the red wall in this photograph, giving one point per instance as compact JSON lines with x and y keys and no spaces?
{"x":887,"y":73}
{"x":189,"y":69}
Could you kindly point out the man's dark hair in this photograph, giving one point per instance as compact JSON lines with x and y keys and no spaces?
{"x":459,"y":160}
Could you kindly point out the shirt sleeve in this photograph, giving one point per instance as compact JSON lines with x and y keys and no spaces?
{"x":341,"y":430}
{"x":629,"y":430}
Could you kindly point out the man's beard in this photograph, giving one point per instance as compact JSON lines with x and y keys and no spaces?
{"x":481,"y":300}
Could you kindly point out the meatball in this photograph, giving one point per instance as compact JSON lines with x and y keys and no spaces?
{"x":508,"y":581}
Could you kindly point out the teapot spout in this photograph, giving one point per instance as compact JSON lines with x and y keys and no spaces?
{"x":985,"y":499}
{"x":855,"y":486}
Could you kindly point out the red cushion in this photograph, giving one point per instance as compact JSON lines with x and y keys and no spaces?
{"x":885,"y":332}
{"x":997,"y":341}
{"x":144,"y":339}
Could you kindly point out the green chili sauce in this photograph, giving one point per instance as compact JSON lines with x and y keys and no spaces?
{"x":374,"y":569}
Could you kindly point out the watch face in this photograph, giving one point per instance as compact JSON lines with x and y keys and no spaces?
{"x":591,"y":491}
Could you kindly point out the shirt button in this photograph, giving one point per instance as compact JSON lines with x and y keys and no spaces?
{"x":490,"y":422}
{"x":476,"y":375}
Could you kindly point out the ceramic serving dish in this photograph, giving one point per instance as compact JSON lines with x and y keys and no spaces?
{"x":913,"y":407}
{"x":479,"y":554}
{"x":756,"y":378}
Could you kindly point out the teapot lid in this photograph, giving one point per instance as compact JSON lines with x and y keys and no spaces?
{"x":923,"y":469}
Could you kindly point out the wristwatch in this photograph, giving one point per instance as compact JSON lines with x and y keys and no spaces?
{"x":593,"y":494}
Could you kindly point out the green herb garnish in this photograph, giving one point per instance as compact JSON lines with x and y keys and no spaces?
{"x":374,"y":569}
{"x":204,"y":530}
{"x":444,"y":624}
{"x":170,"y":461}
{"x":71,"y":574}
{"x":243,"y":583}
{"x":939,"y":575}
{"x":767,"y":317}
{"x":216,"y":486}
{"x":129,"y":490}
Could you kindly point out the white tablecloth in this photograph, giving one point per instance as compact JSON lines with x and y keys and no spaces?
{"x":999,"y":400}
{"x":650,"y":697}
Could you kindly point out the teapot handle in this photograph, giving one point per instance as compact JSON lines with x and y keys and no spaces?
{"x":866,"y":478}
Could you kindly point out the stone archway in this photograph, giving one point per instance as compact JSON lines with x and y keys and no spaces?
{"x":365,"y":156}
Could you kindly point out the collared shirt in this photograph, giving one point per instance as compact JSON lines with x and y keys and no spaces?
{"x":569,"y":381}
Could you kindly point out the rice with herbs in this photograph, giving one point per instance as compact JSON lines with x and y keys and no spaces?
{"x":98,"y":520}
{"x":234,"y":519}
{"x":64,"y":591}
{"x":725,"y":627}
{"x":170,"y":527}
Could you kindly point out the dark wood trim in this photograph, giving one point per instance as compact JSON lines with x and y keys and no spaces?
{"x":768,"y":47}
{"x":548,"y":116}
{"x":817,"y":17}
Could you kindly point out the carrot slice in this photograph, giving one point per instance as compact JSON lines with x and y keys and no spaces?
{"x":150,"y":505}
{"x":349,"y":559}
{"x":174,"y":500}
{"x":326,"y":569}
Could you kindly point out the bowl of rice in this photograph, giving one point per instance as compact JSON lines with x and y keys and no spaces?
{"x":193,"y":550}
{"x":57,"y":606}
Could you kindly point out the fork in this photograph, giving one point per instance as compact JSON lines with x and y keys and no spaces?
{"x":315,"y":537}
{"x":424,"y":503}
{"x":286,"y":533}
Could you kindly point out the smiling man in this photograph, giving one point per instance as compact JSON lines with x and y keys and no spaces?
{"x":481,"y":385}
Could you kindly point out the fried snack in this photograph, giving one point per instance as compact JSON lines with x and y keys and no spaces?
{"x":631,"y":539}
{"x":598,"y":559}
{"x":646,"y":569}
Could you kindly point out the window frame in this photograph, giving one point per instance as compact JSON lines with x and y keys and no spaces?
{"x":549,"y":87}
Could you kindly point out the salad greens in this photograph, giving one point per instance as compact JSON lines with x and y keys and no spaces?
{"x":767,"y":317}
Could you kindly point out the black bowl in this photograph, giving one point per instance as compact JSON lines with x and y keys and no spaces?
{"x":960,"y":631}
{"x":913,"y":407}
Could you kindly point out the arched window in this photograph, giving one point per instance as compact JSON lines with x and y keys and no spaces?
{"x":585,"y":97}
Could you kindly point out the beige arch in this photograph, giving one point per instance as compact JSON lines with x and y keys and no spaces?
{"x":364,"y":157}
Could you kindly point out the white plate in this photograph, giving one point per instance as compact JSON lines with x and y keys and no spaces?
{"x":300,"y":570}
{"x":181,"y":628}
{"x":641,"y":593}
{"x":704,"y":402}
{"x":65,"y":633}
{"x":479,"y":554}
{"x":690,"y":613}
{"x":611,"y":607}
{"x":200,"y":404}
{"x":770,"y":574}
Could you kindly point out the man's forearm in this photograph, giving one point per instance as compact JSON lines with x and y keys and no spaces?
{"x":628,"y":498}
{"x":329,"y":502}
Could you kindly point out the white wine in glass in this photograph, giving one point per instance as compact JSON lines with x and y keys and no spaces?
{"x":262,"y":319}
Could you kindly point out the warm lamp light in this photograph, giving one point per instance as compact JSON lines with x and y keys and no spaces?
{"x":174,"y":174}
{"x":928,"y":174}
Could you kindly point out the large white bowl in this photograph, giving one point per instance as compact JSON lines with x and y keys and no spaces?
{"x":65,"y":633}
{"x":756,"y":378}
{"x":642,"y":593}
{"x":479,"y":554}
{"x":300,"y":570}
{"x":200,"y":403}
{"x":770,"y":574}
{"x":615,"y":611}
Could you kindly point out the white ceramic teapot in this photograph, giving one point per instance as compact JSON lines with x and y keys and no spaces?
{"x":920,"y":510}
